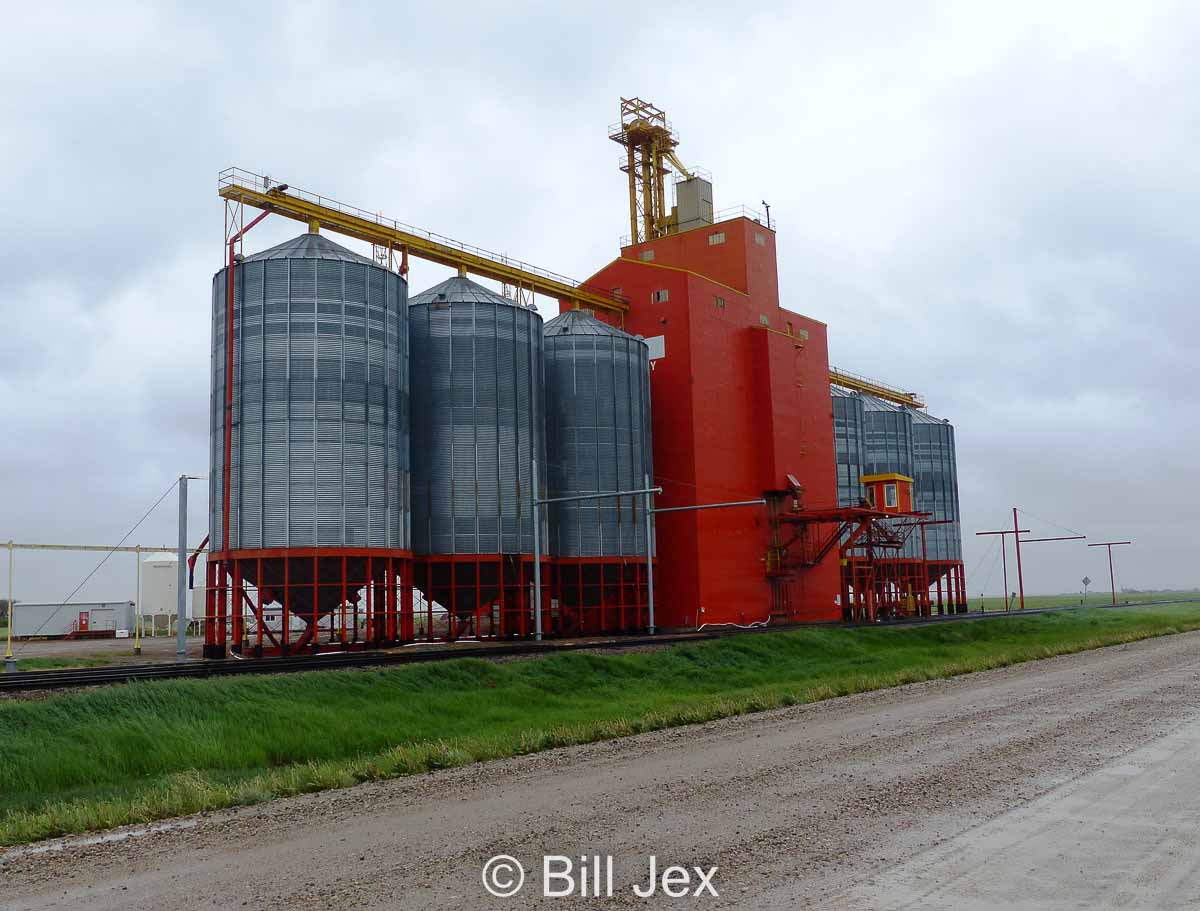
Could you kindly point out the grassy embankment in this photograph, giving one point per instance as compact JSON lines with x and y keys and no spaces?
{"x":144,"y":751}
{"x":990,"y":605}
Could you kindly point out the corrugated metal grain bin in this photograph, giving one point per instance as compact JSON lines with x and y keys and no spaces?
{"x":935,"y":487}
{"x":477,"y":420}
{"x":320,"y":423}
{"x":598,"y":435}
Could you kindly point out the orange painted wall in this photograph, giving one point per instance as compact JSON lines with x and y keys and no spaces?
{"x":735,"y":409}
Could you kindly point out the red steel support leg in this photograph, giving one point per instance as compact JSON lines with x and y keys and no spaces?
{"x":380,"y":610}
{"x":581,"y":596}
{"x":222,"y":601}
{"x":285,"y":631}
{"x":342,"y":603}
{"x":372,"y":606}
{"x":406,"y":602}
{"x":452,"y":615}
{"x":210,"y":601}
{"x":314,"y":636}
{"x":236,"y":611}
{"x":392,"y":631}
{"x":429,"y":602}
{"x":621,"y":585}
{"x":522,"y":621}
{"x":603,"y":599}
{"x":258,"y":624}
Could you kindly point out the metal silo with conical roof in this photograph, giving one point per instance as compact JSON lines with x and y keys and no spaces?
{"x":935,"y":491}
{"x":317,"y":544}
{"x":598,"y":441}
{"x":477,"y":428}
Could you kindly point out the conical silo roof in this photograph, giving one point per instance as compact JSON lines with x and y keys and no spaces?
{"x":459,"y":290}
{"x":582,"y":322}
{"x":924,"y":417}
{"x":874,"y":403}
{"x":311,"y":246}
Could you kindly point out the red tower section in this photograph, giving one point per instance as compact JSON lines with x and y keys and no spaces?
{"x":740,"y":401}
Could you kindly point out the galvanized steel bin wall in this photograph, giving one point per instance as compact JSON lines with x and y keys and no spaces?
{"x":320,"y":421}
{"x":848,"y":445}
{"x":887,"y":437}
{"x":477,"y":420}
{"x":935,"y":490}
{"x":598,"y":435}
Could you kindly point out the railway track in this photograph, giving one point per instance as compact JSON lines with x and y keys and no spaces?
{"x":199,"y":668}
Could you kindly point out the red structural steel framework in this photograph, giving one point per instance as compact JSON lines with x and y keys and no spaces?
{"x":873,"y":587}
{"x":879,"y":587}
{"x":920,"y":576}
{"x":900,"y":586}
{"x":601,"y":594}
{"x":484,"y":595}
{"x":363,"y":595}
{"x":356,"y":598}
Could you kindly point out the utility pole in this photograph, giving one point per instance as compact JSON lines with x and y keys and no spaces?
{"x":1003,"y":533}
{"x":649,"y":549}
{"x":10,"y":663}
{"x":1017,"y":539}
{"x":137,"y":611}
{"x":1016,"y":531}
{"x":180,"y":575}
{"x":1112,"y":578}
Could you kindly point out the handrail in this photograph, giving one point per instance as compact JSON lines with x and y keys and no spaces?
{"x":876,"y":388}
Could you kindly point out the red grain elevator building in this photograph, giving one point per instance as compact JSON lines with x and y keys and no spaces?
{"x":740,"y":407}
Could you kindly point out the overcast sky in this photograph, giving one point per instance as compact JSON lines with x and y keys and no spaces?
{"x":997,"y":205}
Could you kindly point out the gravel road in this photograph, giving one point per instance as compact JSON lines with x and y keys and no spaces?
{"x":1075,"y":773}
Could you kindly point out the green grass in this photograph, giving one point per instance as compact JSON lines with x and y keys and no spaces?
{"x":145,"y":751}
{"x":1095,"y":598}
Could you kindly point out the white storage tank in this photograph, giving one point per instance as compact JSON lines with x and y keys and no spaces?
{"x":160,"y":586}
